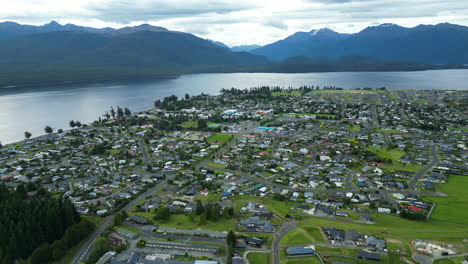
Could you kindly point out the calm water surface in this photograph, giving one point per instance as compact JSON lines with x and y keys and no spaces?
{"x":32,"y":108}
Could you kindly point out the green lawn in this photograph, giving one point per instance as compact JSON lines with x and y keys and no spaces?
{"x":302,"y":260}
{"x":347,"y":91}
{"x":130,"y":228}
{"x":296,"y":237}
{"x":395,"y":227}
{"x":388,"y":131}
{"x":210,"y":198}
{"x":315,"y":233}
{"x":278,"y":207}
{"x":183,"y":222}
{"x":456,"y":260}
{"x":292,"y":93}
{"x":189,"y":124}
{"x":336,"y":251}
{"x":221,"y":138}
{"x":453,"y":208}
{"x":338,"y":259}
{"x":216,"y":165}
{"x":393,"y":154}
{"x":259,"y":258}
{"x":355,"y":128}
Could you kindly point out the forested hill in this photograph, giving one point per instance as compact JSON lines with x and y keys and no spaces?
{"x":37,"y":227}
{"x":54,"y":53}
{"x":432,"y":44}
{"x":76,"y":55}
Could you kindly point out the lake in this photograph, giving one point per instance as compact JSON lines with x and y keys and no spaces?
{"x":32,"y":108}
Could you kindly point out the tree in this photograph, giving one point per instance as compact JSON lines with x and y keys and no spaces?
{"x":201,"y":123}
{"x":163,"y":213}
{"x":78,"y":123}
{"x":127,"y":112}
{"x":42,"y":254}
{"x":60,"y":131}
{"x":112,"y":111}
{"x":187,"y":96}
{"x":1,"y":146}
{"x":48,"y":129}
{"x":199,"y":209}
{"x":27,"y":134}
{"x":120,"y":112}
{"x":202,"y":220}
{"x":72,"y":124}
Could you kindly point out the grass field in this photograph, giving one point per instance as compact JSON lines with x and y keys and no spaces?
{"x":308,"y":114}
{"x":302,"y":260}
{"x":391,"y":131}
{"x":355,"y":128}
{"x":393,"y":154}
{"x":394,"y":227}
{"x":293,"y":93}
{"x":278,"y":207}
{"x":456,"y":260}
{"x":216,"y":165}
{"x":297,"y":237}
{"x":189,"y":124}
{"x":221,"y":138}
{"x":454,"y":208}
{"x":260,"y":258}
{"x":182,"y":221}
{"x":347,"y":91}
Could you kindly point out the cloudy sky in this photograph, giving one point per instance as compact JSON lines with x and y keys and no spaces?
{"x":236,"y":22}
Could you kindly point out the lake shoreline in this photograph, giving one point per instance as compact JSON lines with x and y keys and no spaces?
{"x":155,"y":77}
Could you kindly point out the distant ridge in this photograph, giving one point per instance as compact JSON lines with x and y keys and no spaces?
{"x":61,"y":53}
{"x":436,"y":44}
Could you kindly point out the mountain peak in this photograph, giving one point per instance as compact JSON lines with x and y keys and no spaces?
{"x":53,"y":23}
{"x":321,"y":31}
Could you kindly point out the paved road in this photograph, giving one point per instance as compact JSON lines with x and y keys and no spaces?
{"x":144,"y":150}
{"x":286,"y":228}
{"x":422,"y":259}
{"x":423,"y":171}
{"x":451,"y":256}
{"x":85,"y":250}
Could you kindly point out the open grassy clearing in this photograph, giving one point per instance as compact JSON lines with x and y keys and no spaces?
{"x":216,"y":165}
{"x":347,"y":91}
{"x":302,"y":260}
{"x":292,"y":93}
{"x":297,"y":237}
{"x":260,"y":258}
{"x":454,"y":208}
{"x":396,"y":228}
{"x":220,"y":138}
{"x":393,"y":154}
{"x":189,"y":124}
{"x":355,"y":128}
{"x":183,"y":222}
{"x":455,"y":260}
{"x":391,"y":131}
{"x":281,"y":208}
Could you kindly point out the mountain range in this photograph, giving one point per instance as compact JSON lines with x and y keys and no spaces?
{"x":434,"y":44}
{"x":56,"y":53}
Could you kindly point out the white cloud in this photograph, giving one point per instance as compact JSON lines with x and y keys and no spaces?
{"x":241,"y":21}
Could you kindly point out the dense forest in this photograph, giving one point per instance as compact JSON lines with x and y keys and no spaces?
{"x":36,"y":226}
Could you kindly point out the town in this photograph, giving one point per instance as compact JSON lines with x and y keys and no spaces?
{"x":262,"y":175}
